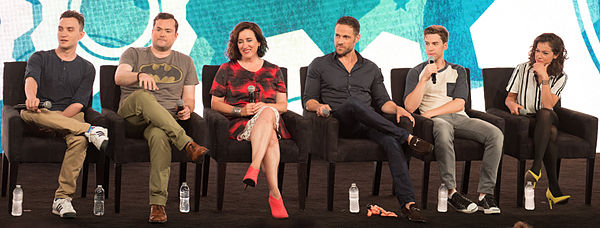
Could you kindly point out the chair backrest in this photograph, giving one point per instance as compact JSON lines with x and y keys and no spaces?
{"x":110,"y":93}
{"x":14,"y":84}
{"x":495,"y":81}
{"x":208,"y":76}
{"x":398,"y":84}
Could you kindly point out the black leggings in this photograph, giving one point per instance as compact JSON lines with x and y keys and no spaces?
{"x":544,"y":139}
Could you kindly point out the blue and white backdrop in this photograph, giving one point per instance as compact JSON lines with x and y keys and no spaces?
{"x":483,"y":33}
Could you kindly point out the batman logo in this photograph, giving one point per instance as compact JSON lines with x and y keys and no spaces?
{"x":163,"y":72}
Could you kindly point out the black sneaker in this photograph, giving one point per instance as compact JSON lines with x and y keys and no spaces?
{"x":488,"y":205}
{"x":462,"y":203}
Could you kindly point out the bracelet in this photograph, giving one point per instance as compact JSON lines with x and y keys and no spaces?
{"x":138,"y":76}
{"x":545,"y":82}
{"x":237,"y":111}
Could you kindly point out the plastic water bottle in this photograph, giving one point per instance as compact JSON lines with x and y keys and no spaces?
{"x":99,"y":201}
{"x":353,"y":193}
{"x":529,"y":197}
{"x":17,"y":205}
{"x":442,"y":198}
{"x":184,"y":198}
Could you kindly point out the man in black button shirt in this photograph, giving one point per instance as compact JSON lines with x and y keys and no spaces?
{"x":346,"y":84}
{"x":65,"y":79}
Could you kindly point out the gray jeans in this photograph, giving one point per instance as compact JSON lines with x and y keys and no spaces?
{"x":447,"y":127}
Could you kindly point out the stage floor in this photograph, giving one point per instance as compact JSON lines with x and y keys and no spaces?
{"x":250,"y":208}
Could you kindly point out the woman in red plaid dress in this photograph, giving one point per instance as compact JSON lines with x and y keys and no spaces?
{"x":254,"y":116}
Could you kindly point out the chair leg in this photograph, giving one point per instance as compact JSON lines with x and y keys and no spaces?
{"x":84,"y":177}
{"x":106,"y":176}
{"x":301,"y":185}
{"x":308,"y":172}
{"x":589,"y":180}
{"x":4,"y":174}
{"x":182,"y":173}
{"x":558,"y":161}
{"x":520,"y":180}
{"x":280,"y":172}
{"x":425,"y":184}
{"x":465,"y":181}
{"x":205,"y":171}
{"x":197,"y":181}
{"x":99,"y":175}
{"x":498,"y":180}
{"x":118,"y":170}
{"x":377,"y":178}
{"x":330,"y":186}
{"x":221,"y":169}
{"x":13,"y":173}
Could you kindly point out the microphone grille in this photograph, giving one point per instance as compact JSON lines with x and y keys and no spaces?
{"x":430,"y":59}
{"x":47,"y":104}
{"x":180,"y":103}
{"x":251,"y":89}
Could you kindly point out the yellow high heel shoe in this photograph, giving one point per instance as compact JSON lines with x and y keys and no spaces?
{"x":556,"y":200}
{"x":530,"y":176}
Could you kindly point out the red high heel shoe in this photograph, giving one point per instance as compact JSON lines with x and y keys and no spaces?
{"x":277,"y":208}
{"x":251,"y":177}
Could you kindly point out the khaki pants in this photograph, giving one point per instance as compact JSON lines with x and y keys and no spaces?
{"x":73,"y":129}
{"x":141,"y":111}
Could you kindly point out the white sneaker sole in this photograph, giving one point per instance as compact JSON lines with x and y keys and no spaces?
{"x":466,"y":211}
{"x":489,"y":211}
{"x":65,"y":215}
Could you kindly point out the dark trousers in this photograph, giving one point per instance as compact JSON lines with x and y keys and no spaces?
{"x":360,"y":121}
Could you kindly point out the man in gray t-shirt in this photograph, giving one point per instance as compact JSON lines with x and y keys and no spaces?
{"x":439,"y":90}
{"x":152,"y":80}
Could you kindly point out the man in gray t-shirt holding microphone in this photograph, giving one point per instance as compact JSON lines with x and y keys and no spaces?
{"x":152,"y":80}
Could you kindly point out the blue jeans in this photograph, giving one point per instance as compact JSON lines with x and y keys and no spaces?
{"x":360,"y":121}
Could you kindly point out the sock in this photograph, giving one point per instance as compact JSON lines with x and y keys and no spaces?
{"x":481,"y":197}
{"x":451,"y":194}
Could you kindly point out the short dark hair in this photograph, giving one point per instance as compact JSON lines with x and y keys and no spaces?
{"x":558,"y":48}
{"x":76,"y":15}
{"x":350,"y":21}
{"x":437,"y":29}
{"x":233,"y":53}
{"x":165,"y":16}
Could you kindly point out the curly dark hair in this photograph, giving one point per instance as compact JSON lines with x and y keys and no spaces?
{"x":76,"y":15}
{"x":233,"y":52}
{"x":558,"y":48}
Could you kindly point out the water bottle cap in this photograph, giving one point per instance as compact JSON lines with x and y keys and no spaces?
{"x":443,"y":184}
{"x":353,"y":185}
{"x":99,"y":186}
{"x":18,"y":186}
{"x":184,"y":183}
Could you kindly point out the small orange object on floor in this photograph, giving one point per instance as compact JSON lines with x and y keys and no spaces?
{"x":377,"y":210}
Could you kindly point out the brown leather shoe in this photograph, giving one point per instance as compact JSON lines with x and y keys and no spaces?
{"x":419,"y":145}
{"x":195,"y":151}
{"x":413,"y":214}
{"x":157,"y":214}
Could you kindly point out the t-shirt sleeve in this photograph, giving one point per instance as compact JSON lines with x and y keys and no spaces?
{"x":191,"y":77}
{"x":514,"y":83}
{"x":34,"y":67}
{"x":280,"y":83}
{"x":461,"y":90}
{"x":129,"y":57}
{"x":219,"y":85}
{"x":557,"y":86}
{"x":82,"y":95}
{"x":412,"y":79}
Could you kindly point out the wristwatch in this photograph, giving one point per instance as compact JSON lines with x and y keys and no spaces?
{"x":237,"y":111}
{"x":545,"y":82}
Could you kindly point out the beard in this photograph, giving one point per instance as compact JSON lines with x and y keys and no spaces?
{"x":343,"y":52}
{"x":161,"y":48}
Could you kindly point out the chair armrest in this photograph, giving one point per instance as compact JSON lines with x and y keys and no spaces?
{"x":516,"y":131}
{"x":404,"y":121}
{"x":325,"y":135}
{"x":578,"y":124}
{"x":198,"y":129}
{"x":218,"y":131}
{"x":94,"y":118}
{"x":300,"y":129}
{"x":494,"y":120}
{"x":423,"y":128}
{"x":12,"y":130}
{"x":116,"y":130}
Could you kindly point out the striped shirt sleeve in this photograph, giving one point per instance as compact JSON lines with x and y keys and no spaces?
{"x":558,"y":84}
{"x":515,"y":80}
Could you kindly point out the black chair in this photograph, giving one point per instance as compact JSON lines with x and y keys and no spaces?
{"x":466,"y":150}
{"x":126,"y":148}
{"x":22,"y":143}
{"x":328,"y":146}
{"x":577,"y":132}
{"x":226,"y":150}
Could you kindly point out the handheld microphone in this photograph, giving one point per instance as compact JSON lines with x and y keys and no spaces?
{"x":326,"y":113}
{"x":431,"y":60}
{"x":45,"y":104}
{"x":251,"y":90}
{"x":180,"y":105}
{"x":523,"y":112}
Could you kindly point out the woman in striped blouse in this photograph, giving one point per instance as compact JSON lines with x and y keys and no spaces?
{"x":533,"y":90}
